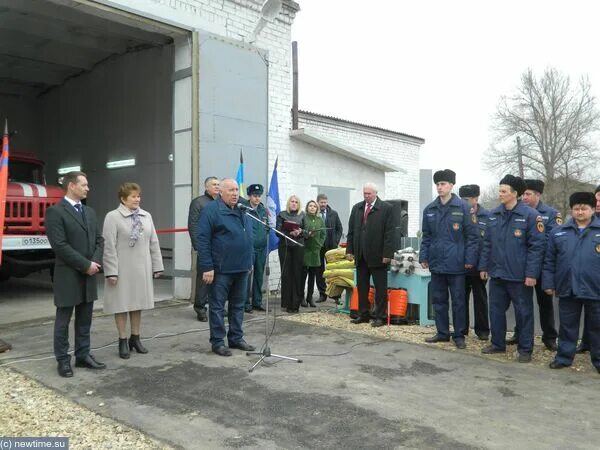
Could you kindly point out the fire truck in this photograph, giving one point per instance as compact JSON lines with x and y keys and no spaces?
{"x":25,"y":246}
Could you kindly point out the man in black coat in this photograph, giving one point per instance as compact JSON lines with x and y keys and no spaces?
{"x":332,"y":222}
{"x":77,"y":242}
{"x":371,"y":245}
{"x":211,"y":192}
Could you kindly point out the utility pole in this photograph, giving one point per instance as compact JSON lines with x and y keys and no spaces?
{"x":520,"y":157}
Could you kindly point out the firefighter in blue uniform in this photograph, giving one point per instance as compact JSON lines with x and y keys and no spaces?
{"x":449,"y":247}
{"x":473,"y":282}
{"x":551,"y":218}
{"x":260,"y":234}
{"x":571,"y":269}
{"x":512,"y":254}
{"x":584,"y":346}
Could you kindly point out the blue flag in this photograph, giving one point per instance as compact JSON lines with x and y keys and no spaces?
{"x":274,"y":208}
{"x":239,"y":178}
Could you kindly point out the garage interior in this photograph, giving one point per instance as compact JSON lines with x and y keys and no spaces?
{"x":82,"y":85}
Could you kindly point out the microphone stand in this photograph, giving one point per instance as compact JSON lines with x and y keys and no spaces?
{"x":266,"y":349}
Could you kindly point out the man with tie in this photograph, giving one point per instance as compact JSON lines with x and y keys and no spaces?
{"x":371,"y":245}
{"x":332,"y":222}
{"x":77,"y":242}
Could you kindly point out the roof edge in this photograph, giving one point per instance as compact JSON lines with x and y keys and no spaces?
{"x":415,"y":139}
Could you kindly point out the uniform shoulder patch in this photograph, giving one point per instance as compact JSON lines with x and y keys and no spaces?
{"x":540,"y":227}
{"x":559,"y":219}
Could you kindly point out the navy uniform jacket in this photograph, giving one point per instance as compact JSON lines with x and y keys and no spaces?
{"x":572,"y":262}
{"x":480,"y":219}
{"x":514,"y":241}
{"x":550,"y":216}
{"x":449,"y":237}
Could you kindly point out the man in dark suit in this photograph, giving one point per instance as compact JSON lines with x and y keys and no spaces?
{"x":371,"y":245}
{"x":332,"y":222}
{"x":77,"y":242}
{"x":211,"y":192}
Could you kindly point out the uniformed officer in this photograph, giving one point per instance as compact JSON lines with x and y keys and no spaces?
{"x":512,"y":253}
{"x":584,"y":346}
{"x":261,"y":235}
{"x":470,"y":194}
{"x":571,"y":269}
{"x":551,"y":218}
{"x":449,"y":247}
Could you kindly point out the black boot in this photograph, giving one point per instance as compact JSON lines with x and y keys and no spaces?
{"x":123,"y":349}
{"x":304,"y":303}
{"x":134,"y":342}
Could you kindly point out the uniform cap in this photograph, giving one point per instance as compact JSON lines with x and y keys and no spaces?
{"x":255,"y":189}
{"x":516,"y":183}
{"x":582,"y":198}
{"x":444,"y":175}
{"x":469,"y":190}
{"x":535,"y":185}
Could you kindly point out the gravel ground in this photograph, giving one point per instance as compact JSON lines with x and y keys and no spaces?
{"x":415,"y":334}
{"x":28,"y":409}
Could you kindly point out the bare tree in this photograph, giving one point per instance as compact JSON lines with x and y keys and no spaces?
{"x":556,"y":123}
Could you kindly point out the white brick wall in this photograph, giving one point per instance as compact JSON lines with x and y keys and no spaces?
{"x":399,"y":151}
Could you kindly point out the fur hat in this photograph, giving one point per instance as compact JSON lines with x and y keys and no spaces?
{"x":535,"y":185}
{"x":468,"y":190}
{"x":582,"y":198}
{"x":516,"y":183}
{"x":255,"y":189}
{"x":444,"y":175}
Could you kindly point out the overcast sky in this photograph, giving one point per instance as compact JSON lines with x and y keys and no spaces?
{"x":436,"y":69}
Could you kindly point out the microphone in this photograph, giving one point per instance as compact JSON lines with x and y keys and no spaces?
{"x":243,"y":207}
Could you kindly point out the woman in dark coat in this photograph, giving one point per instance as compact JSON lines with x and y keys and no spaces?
{"x":314,"y":226}
{"x":291,"y":256}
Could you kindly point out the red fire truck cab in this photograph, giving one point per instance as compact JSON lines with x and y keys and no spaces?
{"x":25,"y":247}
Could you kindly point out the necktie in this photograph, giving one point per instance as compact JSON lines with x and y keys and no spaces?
{"x":367,"y":211}
{"x":323,"y":215}
{"x":79,"y":209}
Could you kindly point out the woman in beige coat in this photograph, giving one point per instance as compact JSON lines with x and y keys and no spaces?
{"x":131,"y":259}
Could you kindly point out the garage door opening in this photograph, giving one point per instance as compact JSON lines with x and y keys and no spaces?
{"x":83,"y":85}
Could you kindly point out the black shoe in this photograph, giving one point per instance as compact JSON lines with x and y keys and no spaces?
{"x":304,"y":304}
{"x":490,"y":349}
{"x":582,"y":349}
{"x":243,"y":345}
{"x":551,"y":345}
{"x":222,"y":351}
{"x":4,"y":346}
{"x":259,"y":308}
{"x":64,"y":369}
{"x":135,"y":343}
{"x":202,"y":316}
{"x":322,"y":298}
{"x":377,"y":323}
{"x":460,"y":343}
{"x":360,"y":320}
{"x":123,"y":348}
{"x":291,"y":310}
{"x":483,"y":337}
{"x":557,"y":365}
{"x":524,"y":357}
{"x":89,"y":363}
{"x":436,"y":338}
{"x":248,"y":310}
{"x":514,"y":340}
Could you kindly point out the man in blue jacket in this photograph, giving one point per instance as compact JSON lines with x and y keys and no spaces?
{"x":261,"y":235}
{"x":225,"y":258}
{"x":449,"y":247}
{"x":571,"y":269}
{"x":512,"y":254}
{"x":470,"y":194}
{"x":551,"y":218}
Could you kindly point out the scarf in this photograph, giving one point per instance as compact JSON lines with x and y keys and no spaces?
{"x":136,"y":227}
